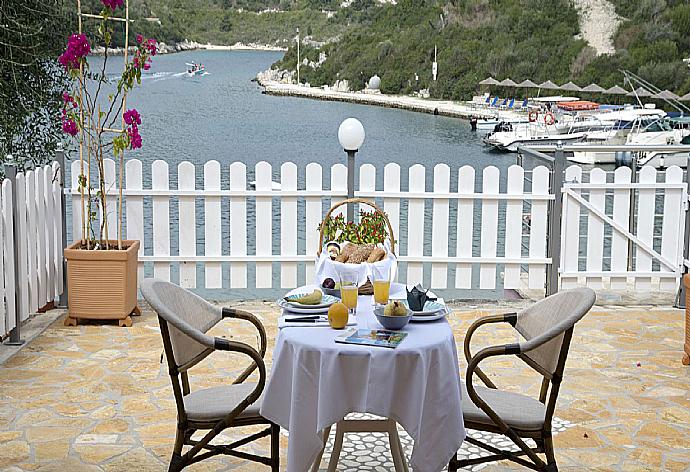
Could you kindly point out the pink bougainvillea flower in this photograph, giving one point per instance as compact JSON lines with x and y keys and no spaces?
{"x":132,"y":117}
{"x":140,"y":38}
{"x":112,"y":4}
{"x":69,"y":126}
{"x":77,"y":47}
{"x":134,"y":137}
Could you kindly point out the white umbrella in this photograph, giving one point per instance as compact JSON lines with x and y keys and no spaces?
{"x":666,"y":95}
{"x":616,"y":90}
{"x":640,"y":92}
{"x":507,"y":83}
{"x":594,"y":88}
{"x":571,"y":87}
{"x":548,"y":85}
{"x":489,"y":81}
{"x":527,"y":84}
{"x":685,"y":98}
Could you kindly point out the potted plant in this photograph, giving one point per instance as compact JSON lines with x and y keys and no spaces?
{"x":101,"y":270}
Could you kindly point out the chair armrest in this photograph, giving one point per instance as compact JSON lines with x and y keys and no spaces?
{"x":492,"y":351}
{"x":222,"y":344}
{"x":245,"y":315}
{"x":510,"y":318}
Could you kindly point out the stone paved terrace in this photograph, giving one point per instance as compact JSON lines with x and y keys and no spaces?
{"x":97,"y":397}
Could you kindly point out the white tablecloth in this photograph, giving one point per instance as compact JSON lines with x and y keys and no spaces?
{"x":316,"y":382}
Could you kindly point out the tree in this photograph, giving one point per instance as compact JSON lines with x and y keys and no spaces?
{"x":31,"y":83}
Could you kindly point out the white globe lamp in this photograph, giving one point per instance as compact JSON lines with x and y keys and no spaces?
{"x":351,"y":137}
{"x":351,"y":134}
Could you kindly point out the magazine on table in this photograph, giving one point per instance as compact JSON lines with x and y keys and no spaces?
{"x":372,"y":337}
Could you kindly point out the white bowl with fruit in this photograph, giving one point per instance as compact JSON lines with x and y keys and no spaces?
{"x":395,"y":315}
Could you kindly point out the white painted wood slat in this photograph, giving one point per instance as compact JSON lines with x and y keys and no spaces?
{"x":463,"y":272}
{"x":621,"y":215}
{"x":415,"y":231}
{"x":513,"y":232}
{"x":111,"y":210}
{"x":3,"y":273}
{"x":490,"y":184}
{"x":38,"y":200}
{"x":441,"y":213}
{"x":23,"y":302}
{"x":671,"y":229}
{"x":28,"y":207}
{"x":134,"y":208}
{"x":538,"y":227}
{"x":391,"y":205}
{"x":339,"y":184}
{"x":313,"y":214}
{"x":238,"y":225}
{"x":213,"y":242}
{"x":77,"y":229}
{"x":161,"y":219}
{"x":7,"y":246}
{"x":645,"y":228}
{"x":49,"y":225}
{"x":288,"y":225}
{"x":186,"y":180}
{"x":595,"y":229}
{"x":264,"y":225}
{"x":57,"y":208}
{"x":570,"y":230}
{"x":367,"y":183}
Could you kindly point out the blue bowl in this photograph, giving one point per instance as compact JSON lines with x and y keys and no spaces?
{"x":392,"y":322}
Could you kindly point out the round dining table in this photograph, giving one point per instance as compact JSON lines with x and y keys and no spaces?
{"x":315,"y":382}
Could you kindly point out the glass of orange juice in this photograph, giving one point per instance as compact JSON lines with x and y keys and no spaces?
{"x":382,"y":284}
{"x":349,"y":290}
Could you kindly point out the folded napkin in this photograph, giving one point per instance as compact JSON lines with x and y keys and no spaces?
{"x":321,"y":322}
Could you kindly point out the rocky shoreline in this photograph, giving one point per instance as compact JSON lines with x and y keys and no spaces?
{"x":186,"y":45}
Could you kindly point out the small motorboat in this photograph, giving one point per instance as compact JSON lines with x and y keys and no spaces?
{"x":195,"y":69}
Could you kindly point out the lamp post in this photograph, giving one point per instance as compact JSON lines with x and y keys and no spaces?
{"x":351,"y":137}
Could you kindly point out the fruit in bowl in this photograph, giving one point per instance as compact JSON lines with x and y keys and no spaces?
{"x":393,"y":316}
{"x":395,"y":308}
{"x":331,"y":287}
{"x":328,"y":283}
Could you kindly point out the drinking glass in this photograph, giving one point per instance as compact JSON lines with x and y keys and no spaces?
{"x":382,"y":283}
{"x":349,"y":290}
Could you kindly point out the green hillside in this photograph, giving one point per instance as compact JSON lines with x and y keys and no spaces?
{"x":520,"y":39}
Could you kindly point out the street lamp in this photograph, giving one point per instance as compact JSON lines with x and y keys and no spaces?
{"x":351,"y":137}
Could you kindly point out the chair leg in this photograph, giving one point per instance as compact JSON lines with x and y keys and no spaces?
{"x":317,"y":461}
{"x":176,"y":463}
{"x":275,"y":447}
{"x":337,"y":447}
{"x":550,"y":456}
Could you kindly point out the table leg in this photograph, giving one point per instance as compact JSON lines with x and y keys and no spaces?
{"x":396,"y":448}
{"x":337,"y":447}
{"x":317,"y":461}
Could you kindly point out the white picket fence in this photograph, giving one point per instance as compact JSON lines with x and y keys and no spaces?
{"x":39,"y":211}
{"x":213,"y":232}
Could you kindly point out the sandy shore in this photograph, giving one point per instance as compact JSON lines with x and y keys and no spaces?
{"x":164,"y":48}
{"x":435,"y":107}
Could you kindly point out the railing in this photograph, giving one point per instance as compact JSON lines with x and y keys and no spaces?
{"x":204,"y":228}
{"x":31,"y":245}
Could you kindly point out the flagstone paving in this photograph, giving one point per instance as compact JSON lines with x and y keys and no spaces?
{"x":97,"y":398}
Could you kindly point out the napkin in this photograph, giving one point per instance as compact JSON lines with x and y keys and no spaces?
{"x":417,"y":297}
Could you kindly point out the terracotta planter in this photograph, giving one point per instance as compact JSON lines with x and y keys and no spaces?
{"x":102,"y":285}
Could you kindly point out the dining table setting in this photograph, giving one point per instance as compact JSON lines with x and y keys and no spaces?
{"x":328,"y":364}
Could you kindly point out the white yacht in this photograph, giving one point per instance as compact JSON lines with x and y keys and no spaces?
{"x":510,"y":137}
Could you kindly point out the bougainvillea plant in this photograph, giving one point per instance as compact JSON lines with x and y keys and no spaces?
{"x":102,"y":126}
{"x":371,"y":229}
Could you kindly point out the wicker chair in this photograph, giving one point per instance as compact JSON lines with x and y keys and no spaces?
{"x":184,"y":319}
{"x":547,"y":328}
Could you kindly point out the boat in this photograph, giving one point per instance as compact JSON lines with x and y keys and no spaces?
{"x":508,"y":137}
{"x":195,"y":69}
{"x":275,"y":186}
{"x":490,"y":124}
{"x":637,"y":127}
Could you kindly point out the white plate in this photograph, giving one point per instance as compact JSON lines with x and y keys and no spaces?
{"x":302,"y":311}
{"x":430,"y":308}
{"x":326,"y":300}
{"x":434,"y":317}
